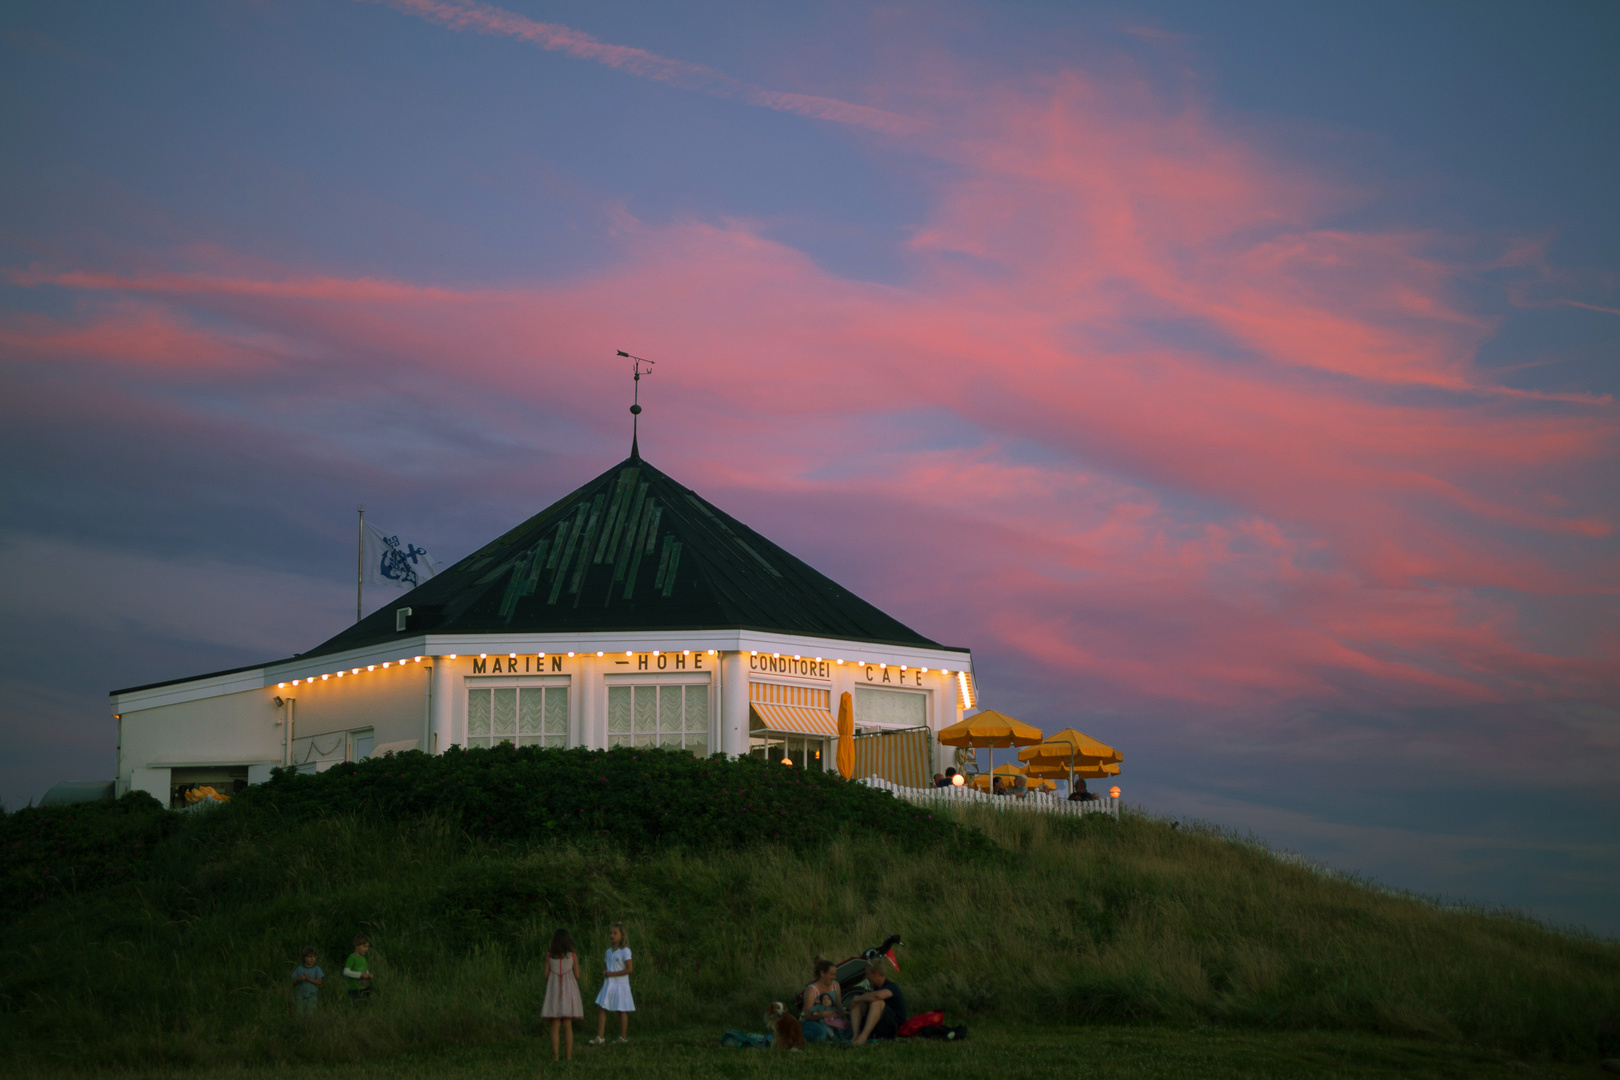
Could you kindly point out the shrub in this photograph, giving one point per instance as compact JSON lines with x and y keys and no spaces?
{"x":636,"y":799}
{"x":50,"y":851}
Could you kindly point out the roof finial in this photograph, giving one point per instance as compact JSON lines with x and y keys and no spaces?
{"x":635,"y":409}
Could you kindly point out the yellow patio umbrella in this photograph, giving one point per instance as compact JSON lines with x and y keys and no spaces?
{"x":1099,"y":772}
{"x":990,"y":729}
{"x":1074,"y":754}
{"x":1009,"y":773}
{"x":1055,"y":770}
{"x":1070,"y":744}
{"x":846,"y":736}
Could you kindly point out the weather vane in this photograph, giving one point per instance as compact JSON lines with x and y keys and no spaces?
{"x":635,"y":409}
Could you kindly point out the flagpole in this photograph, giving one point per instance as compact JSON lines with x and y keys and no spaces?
{"x":359,"y":563}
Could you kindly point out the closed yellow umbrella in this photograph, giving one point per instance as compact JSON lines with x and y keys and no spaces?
{"x":846,"y":736}
{"x":992,"y":729}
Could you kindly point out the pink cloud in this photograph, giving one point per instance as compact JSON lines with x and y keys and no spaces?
{"x":1140,"y":413}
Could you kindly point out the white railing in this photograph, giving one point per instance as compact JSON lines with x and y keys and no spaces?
{"x":963,"y":796}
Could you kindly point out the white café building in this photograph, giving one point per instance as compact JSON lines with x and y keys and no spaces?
{"x":630,"y":612}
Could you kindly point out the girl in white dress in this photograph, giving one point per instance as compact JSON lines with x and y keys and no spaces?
{"x":615,"y":995}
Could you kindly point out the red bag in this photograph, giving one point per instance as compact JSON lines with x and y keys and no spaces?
{"x":921,"y":1020}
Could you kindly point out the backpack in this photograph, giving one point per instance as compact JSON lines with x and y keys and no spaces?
{"x":921,"y":1020}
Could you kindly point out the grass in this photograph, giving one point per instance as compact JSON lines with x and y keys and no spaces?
{"x":1000,"y":1051}
{"x":1137,"y":942}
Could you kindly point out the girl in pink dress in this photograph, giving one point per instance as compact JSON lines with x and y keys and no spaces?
{"x":562,"y":990}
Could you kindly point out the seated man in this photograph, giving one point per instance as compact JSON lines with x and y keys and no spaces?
{"x":878,"y":1013}
{"x":939,"y":780}
{"x":1080,"y":794}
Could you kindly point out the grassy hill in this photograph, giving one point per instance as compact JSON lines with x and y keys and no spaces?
{"x":136,"y":935}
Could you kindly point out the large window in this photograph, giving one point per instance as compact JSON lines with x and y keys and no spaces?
{"x":522,"y":715}
{"x":890,"y":708}
{"x":668,"y":714}
{"x":800,"y":751}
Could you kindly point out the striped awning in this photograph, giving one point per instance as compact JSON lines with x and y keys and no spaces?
{"x":900,"y":757}
{"x":795,"y":718}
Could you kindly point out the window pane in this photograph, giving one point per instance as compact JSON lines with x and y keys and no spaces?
{"x":530,"y":711}
{"x":503,"y":722}
{"x":618,"y":713}
{"x":616,"y":739}
{"x":895,"y":707}
{"x":646,"y":710}
{"x":478,"y":714}
{"x":697,"y":708}
{"x":557,"y":714}
{"x":669,"y":712}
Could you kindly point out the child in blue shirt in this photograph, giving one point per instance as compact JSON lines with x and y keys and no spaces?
{"x":306,"y":983}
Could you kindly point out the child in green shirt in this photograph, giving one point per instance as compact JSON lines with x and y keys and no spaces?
{"x":354,"y":969}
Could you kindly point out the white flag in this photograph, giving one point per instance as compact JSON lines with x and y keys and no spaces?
{"x":391,"y":561}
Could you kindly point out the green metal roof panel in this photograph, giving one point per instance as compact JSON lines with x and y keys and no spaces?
{"x":631,"y":550}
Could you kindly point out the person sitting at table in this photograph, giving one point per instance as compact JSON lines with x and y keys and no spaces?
{"x":939,"y":780}
{"x":878,"y":1013}
{"x":998,"y":786}
{"x":1080,"y":794}
{"x":1020,"y":787}
{"x":950,"y":777}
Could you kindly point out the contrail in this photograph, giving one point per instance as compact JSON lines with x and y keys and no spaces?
{"x":1588,"y":307}
{"x":485,"y":19}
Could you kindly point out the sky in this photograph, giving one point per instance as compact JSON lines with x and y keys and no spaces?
{"x":1236,"y":381}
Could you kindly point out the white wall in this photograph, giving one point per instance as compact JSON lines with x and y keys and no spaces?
{"x":232,"y":719}
{"x":233,"y":729}
{"x":245,"y":728}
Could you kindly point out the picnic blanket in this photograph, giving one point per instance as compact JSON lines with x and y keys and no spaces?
{"x":745,"y":1040}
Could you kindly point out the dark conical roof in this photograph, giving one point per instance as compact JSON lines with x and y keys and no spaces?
{"x":631,"y":550}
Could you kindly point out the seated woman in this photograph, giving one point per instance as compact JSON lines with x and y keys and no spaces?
{"x":823,"y":1008}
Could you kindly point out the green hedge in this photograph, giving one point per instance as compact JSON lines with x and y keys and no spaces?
{"x":637,"y":799}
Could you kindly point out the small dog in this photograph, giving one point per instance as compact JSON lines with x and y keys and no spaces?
{"x":787,"y":1033}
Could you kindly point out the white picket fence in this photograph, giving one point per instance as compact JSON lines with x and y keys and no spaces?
{"x":963,"y":796}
